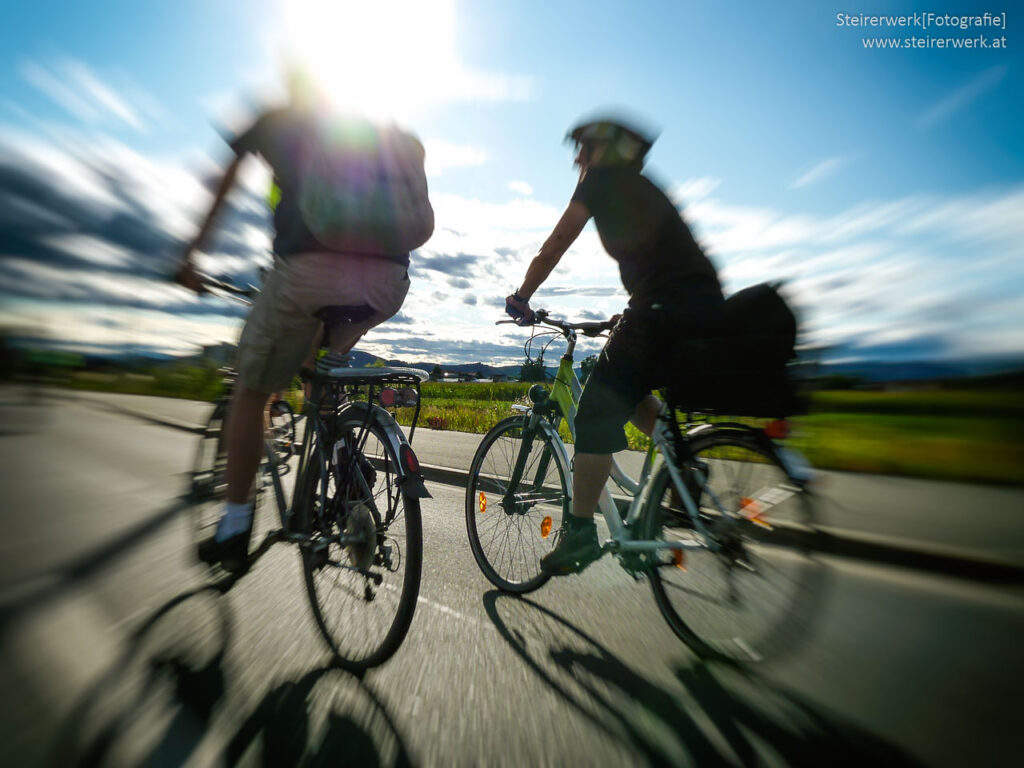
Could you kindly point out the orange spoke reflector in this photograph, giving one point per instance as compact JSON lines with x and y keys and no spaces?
{"x":679,"y":556}
{"x":751,"y":510}
{"x":545,"y":527}
{"x":483,"y":502}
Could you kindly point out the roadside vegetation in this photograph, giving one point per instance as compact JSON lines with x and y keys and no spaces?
{"x":965,"y":433}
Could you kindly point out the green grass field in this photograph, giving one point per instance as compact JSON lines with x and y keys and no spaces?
{"x":950,"y":434}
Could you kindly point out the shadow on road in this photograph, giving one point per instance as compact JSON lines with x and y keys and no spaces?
{"x":721,"y":714}
{"x":166,"y":701}
{"x":155,"y":703}
{"x":73,"y":573}
{"x":328,"y":717}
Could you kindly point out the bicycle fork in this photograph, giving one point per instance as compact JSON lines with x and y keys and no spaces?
{"x":508,"y":501}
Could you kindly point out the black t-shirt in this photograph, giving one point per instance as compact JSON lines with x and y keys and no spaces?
{"x":279,"y":137}
{"x":642,"y":230}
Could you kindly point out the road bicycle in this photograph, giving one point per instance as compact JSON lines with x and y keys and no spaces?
{"x":718,"y":524}
{"x":355,"y":508}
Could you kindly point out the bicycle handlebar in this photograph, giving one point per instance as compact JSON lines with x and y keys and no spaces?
{"x":233,"y":291}
{"x":543,"y":317}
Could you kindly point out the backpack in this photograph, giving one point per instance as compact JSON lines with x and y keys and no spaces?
{"x":363,"y":189}
{"x":744,"y":370}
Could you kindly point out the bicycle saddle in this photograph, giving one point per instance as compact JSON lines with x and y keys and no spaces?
{"x":340,"y":314}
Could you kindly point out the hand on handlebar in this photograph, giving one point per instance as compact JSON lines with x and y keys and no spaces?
{"x":519,"y":310}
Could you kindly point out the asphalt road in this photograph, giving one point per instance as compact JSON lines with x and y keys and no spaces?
{"x":116,"y":651}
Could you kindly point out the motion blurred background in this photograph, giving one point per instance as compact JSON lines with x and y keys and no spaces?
{"x":884,"y":186}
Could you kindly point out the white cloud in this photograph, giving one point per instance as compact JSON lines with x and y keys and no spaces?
{"x":918,"y":267}
{"x":442,"y":155}
{"x":59,"y":92}
{"x":819,"y":171}
{"x":693,"y":189}
{"x":103,"y":94}
{"x":521,"y":188}
{"x":947,"y":270}
{"x":963,"y":96}
{"x":77,"y":89}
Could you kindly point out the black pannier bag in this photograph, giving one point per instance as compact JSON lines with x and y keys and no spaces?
{"x":744,"y":372}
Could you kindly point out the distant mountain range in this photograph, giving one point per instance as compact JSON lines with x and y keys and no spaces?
{"x":1008,"y":369}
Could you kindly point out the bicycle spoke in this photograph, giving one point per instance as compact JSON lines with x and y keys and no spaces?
{"x":747,"y":598}
{"x":506,"y":536}
{"x":364,"y":612}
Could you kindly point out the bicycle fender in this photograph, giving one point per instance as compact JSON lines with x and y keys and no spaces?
{"x":409,"y":476}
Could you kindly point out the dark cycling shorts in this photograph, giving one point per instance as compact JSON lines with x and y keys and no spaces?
{"x":653,"y":343}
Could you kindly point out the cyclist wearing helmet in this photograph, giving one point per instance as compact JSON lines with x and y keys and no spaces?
{"x":674,"y":299}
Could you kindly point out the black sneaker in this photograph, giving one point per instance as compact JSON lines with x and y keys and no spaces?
{"x":577,"y":548}
{"x":232,"y":554}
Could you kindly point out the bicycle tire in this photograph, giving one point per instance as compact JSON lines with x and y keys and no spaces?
{"x":754,"y":598}
{"x":208,"y":485}
{"x":363,"y":624}
{"x":281,"y":428}
{"x":509,"y":543}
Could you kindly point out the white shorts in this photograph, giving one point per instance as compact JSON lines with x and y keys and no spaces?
{"x":281,"y":329}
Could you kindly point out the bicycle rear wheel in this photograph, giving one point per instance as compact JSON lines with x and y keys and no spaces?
{"x":509,"y":528}
{"x":362,"y":565}
{"x":752,"y":598}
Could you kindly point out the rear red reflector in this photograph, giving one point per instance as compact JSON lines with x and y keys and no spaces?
{"x":777,"y":430}
{"x":409,"y":460}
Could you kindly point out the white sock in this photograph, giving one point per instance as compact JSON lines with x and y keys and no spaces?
{"x":237,"y":518}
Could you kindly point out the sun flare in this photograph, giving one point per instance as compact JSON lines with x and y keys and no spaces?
{"x":382,"y":58}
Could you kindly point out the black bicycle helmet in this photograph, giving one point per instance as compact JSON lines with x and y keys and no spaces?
{"x":627,"y":143}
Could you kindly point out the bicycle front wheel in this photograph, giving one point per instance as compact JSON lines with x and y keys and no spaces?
{"x":363,"y":559}
{"x":208,"y":490}
{"x":208,"y":483}
{"x":509,"y":526}
{"x":746,"y":588}
{"x":281,"y":430}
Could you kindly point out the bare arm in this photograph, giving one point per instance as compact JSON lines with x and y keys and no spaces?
{"x":186,"y":275}
{"x":562,"y":236}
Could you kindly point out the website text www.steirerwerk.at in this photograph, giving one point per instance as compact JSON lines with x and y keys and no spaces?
{"x":973,"y":31}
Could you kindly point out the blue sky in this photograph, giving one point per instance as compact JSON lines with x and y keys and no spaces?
{"x":884,"y":185}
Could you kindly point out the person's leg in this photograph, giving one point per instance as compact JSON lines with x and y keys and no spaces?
{"x":602,"y":414}
{"x":589,"y":474}
{"x":591,"y":470}
{"x":266,"y":361}
{"x":646,"y":414}
{"x":244,"y":442}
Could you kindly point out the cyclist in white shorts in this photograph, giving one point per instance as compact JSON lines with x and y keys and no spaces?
{"x":281,"y":332}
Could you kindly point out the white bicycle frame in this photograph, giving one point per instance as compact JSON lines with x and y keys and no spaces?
{"x":567,"y":392}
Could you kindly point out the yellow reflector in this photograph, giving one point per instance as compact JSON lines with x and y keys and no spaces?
{"x":483,"y":502}
{"x":545,"y":527}
{"x":680,"y":559}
